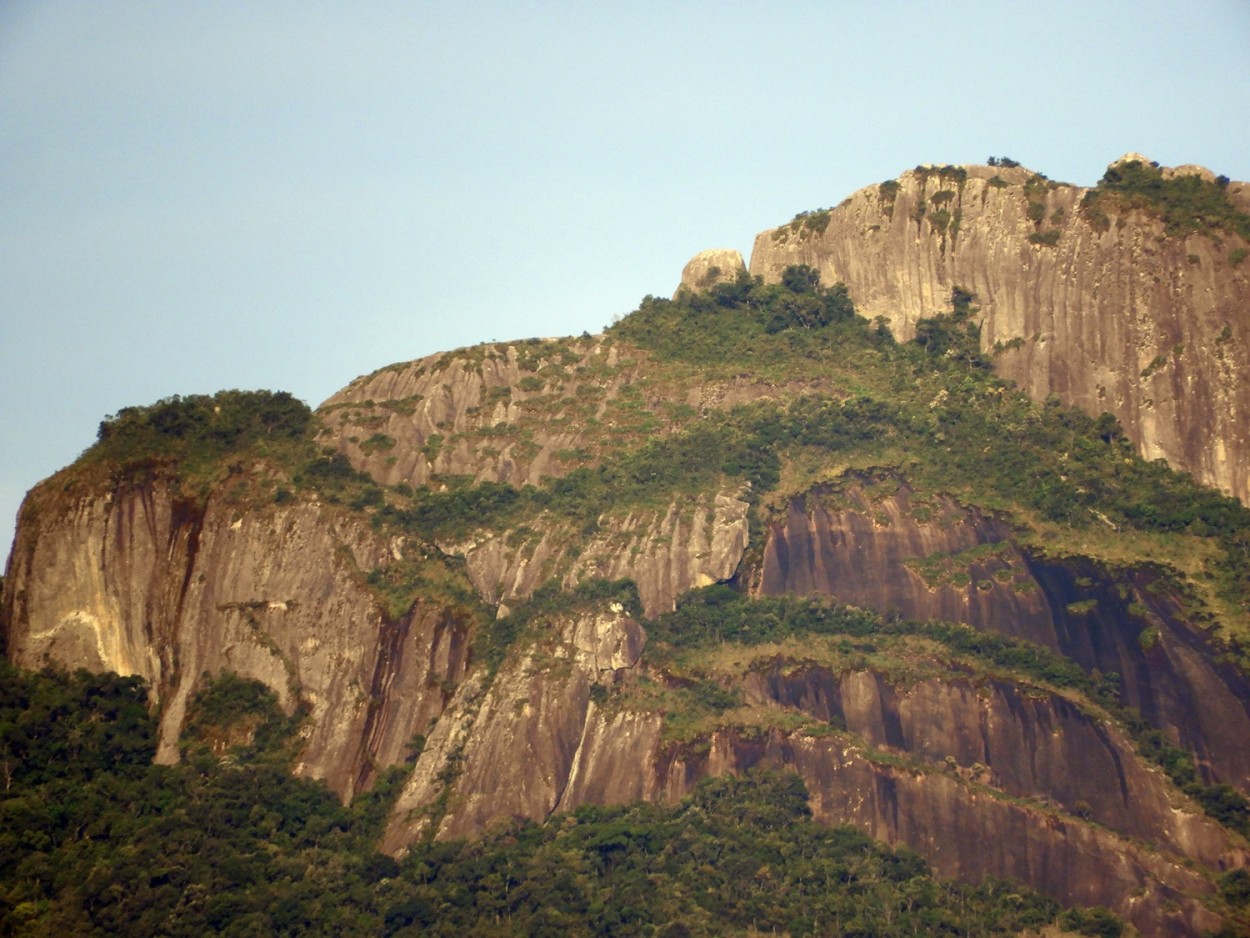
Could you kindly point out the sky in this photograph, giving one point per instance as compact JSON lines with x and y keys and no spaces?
{"x":201,"y":196}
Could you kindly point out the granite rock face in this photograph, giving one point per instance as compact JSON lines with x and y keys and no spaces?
{"x":982,"y":780}
{"x":1117,"y":315}
{"x":695,"y":542}
{"x":941,"y":561}
{"x":140,"y":580}
{"x":708,"y":268}
{"x":983,"y":772}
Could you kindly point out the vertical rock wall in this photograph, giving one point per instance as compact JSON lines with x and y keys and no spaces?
{"x":141,"y":581}
{"x":1152,"y":327}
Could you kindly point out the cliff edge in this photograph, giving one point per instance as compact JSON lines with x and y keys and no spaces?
{"x":1131,"y":298}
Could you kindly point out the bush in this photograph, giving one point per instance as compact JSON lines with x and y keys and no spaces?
{"x":1185,"y":203}
{"x":202,"y":425}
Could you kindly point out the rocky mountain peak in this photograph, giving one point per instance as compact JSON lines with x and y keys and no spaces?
{"x":751,"y":529}
{"x":708,"y":268}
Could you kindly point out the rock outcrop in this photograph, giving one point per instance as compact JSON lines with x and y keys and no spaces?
{"x":948,"y":767}
{"x":1110,"y":314}
{"x":503,"y":413}
{"x":396,"y":631}
{"x":141,"y":580}
{"x":940,"y":561}
{"x":695,"y":542}
{"x":708,"y":268}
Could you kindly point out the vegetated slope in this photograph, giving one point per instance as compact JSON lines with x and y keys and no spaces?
{"x":96,"y":840}
{"x":1132,"y":297}
{"x":759,"y":436}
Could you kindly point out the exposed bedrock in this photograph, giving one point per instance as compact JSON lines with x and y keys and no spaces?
{"x":140,"y":581}
{"x":535,"y":740}
{"x":971,"y":834}
{"x":983,"y":779}
{"x":1151,"y":326}
{"x":1026,"y":743}
{"x":695,"y":541}
{"x":966,"y":832}
{"x":947,"y":562}
{"x":447,"y":414}
{"x":708,"y":268}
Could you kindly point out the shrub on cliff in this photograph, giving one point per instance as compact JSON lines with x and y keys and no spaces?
{"x":1186,"y":203}
{"x":730,"y":321}
{"x":201,"y":425}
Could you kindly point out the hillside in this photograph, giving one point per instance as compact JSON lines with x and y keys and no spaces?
{"x":761,"y":526}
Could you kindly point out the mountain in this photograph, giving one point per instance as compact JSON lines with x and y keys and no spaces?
{"x":830,"y":516}
{"x":1124,"y":298}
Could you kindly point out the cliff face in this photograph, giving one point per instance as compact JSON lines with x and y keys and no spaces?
{"x":882,"y":551}
{"x":505,"y":413}
{"x":140,"y":580}
{"x":981,"y":779}
{"x":1150,"y":326}
{"x":693,"y":542}
{"x":398,"y":631}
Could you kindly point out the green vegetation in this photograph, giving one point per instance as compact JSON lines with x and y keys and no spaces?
{"x":230,"y":710}
{"x":96,"y":840}
{"x":1097,"y":922}
{"x":955,"y":336}
{"x":842,"y":396}
{"x":379,"y":441}
{"x":683,"y":328}
{"x":932,"y":409}
{"x":717,"y":614}
{"x":809,"y":224}
{"x":199,"y":426}
{"x":1187,"y":204}
{"x":887,"y":195}
{"x":105,"y":843}
{"x":549,"y":602}
{"x":947,"y":173}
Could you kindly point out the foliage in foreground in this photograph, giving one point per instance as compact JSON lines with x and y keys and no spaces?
{"x":106,"y":843}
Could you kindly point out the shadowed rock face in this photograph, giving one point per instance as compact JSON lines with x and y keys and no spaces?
{"x":140,"y":581}
{"x":992,"y":785}
{"x":1027,"y":745}
{"x":969,"y":834}
{"x":1150,"y":327}
{"x":956,"y":564}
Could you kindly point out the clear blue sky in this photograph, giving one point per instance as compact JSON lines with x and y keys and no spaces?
{"x":197,"y":196}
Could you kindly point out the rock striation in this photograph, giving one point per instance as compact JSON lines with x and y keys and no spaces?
{"x":879,"y":549}
{"x":390,"y":630}
{"x":143,"y":581}
{"x":945,"y":766}
{"x":1111,"y":314}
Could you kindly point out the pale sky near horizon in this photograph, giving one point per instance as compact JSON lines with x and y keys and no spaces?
{"x":286,"y":195}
